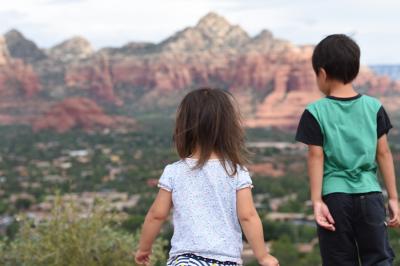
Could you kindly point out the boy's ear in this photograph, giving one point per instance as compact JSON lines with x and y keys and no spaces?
{"x":322,"y":74}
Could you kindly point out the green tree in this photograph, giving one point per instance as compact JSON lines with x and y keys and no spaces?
{"x":23,"y":204}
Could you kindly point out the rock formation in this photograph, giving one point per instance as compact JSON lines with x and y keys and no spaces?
{"x":20,"y":47}
{"x":72,"y":113}
{"x":272,"y":78}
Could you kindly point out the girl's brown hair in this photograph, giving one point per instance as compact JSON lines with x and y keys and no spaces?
{"x":208,"y":120}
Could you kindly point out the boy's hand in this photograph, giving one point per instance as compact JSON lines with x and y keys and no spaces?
{"x":142,"y":257}
{"x":394,"y":213}
{"x":322,"y":216}
{"x":268,"y":260}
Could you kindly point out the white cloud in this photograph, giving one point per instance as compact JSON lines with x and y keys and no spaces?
{"x":115,"y":22}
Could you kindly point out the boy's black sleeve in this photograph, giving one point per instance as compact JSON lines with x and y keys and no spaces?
{"x":383,"y":122}
{"x":309,"y":131}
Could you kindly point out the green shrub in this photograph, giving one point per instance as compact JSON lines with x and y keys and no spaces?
{"x":133,"y":223}
{"x":287,"y":253}
{"x":70,"y":240}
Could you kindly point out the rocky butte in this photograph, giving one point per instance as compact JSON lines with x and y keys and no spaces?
{"x":272,"y":78}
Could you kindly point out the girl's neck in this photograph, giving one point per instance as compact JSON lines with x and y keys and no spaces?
{"x":196,"y":155}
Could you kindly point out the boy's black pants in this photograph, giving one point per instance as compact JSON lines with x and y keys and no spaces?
{"x":361,"y":236}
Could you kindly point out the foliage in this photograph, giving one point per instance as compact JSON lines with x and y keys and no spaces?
{"x":142,"y":153}
{"x":71,"y":240}
{"x":297,"y":233}
{"x":288,"y":255}
{"x":395,"y":243}
{"x":133,"y":223}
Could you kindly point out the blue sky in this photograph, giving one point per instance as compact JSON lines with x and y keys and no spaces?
{"x":374,"y":24}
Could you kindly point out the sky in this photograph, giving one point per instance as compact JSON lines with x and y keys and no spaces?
{"x":373,"y":24}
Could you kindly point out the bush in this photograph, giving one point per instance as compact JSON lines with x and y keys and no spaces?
{"x":70,"y":240}
{"x":286,"y":251}
{"x":133,"y":223}
{"x":395,"y":243}
{"x":297,"y":233}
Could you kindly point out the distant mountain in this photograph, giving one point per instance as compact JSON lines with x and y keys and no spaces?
{"x":76,"y":48}
{"x":20,"y":47}
{"x":212,"y":32}
{"x":393,"y":71}
{"x":272,"y":78}
{"x":16,"y":77}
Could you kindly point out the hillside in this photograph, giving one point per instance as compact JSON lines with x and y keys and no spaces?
{"x":272,"y":78}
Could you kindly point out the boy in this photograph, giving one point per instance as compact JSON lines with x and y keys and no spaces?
{"x":346,"y":135}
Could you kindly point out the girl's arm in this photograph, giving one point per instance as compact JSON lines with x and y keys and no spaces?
{"x":155,"y":218}
{"x":252,"y":227}
{"x":386,"y":166}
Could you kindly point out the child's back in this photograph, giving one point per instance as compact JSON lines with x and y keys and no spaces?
{"x":346,"y":134}
{"x":204,"y":209}
{"x":209,"y":189}
{"x":350,"y":128}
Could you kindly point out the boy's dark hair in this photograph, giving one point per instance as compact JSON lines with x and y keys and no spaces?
{"x":339,"y":56}
{"x":209,"y":120}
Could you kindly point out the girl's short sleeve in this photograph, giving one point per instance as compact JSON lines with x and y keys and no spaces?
{"x":165,"y":181}
{"x":243,"y":179}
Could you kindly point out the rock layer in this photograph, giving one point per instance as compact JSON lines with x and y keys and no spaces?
{"x":272,"y":78}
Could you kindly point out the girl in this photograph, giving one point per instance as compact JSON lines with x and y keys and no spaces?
{"x":209,"y":189}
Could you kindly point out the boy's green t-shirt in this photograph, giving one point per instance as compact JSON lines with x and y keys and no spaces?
{"x":348,"y":129}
